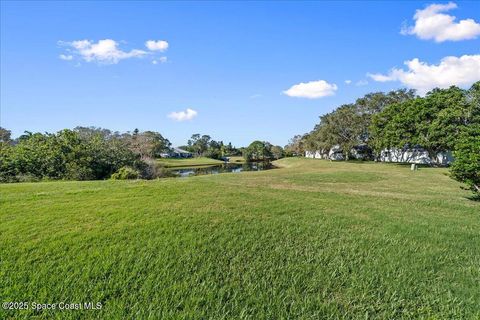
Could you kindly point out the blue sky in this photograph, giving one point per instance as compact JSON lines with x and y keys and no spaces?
{"x":229,"y":62}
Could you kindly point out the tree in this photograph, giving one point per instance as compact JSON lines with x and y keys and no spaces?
{"x":199,"y":144}
{"x":258,"y":150}
{"x":277,"y":152}
{"x":466,"y":166}
{"x":342,"y":127}
{"x":204,"y":145}
{"x":295,"y":146}
{"x":395,"y":126}
{"x":148,"y":144}
{"x":434,"y":122}
{"x":230,"y":150}
{"x":349,"y":125}
{"x":5,"y":136}
{"x":68,"y":154}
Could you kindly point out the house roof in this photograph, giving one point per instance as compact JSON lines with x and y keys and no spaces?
{"x":178,"y":150}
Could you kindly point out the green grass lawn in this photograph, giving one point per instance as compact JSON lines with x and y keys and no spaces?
{"x":311,"y":240}
{"x":188,"y":162}
{"x":237,"y":159}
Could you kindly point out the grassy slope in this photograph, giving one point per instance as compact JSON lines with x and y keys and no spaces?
{"x":188,"y":162}
{"x":310,"y":240}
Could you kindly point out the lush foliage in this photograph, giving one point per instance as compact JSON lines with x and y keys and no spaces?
{"x":79,"y":154}
{"x":466,"y":167}
{"x":433,"y":123}
{"x":296,"y":146}
{"x":277,"y":152}
{"x":349,"y":125}
{"x":312,"y":240}
{"x":126,"y":173}
{"x":205,"y":146}
{"x":258,"y":151}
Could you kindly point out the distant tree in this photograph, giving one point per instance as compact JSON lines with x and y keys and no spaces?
{"x":88,"y":133}
{"x":373,"y":103}
{"x":343,"y":127}
{"x":230,"y":150}
{"x":204,"y":145}
{"x":258,"y":150}
{"x":295,"y":146}
{"x":199,"y":144}
{"x":66,"y":155}
{"x":214,"y":149}
{"x":5,"y":136}
{"x":148,"y":144}
{"x":349,"y":125}
{"x":277,"y":152}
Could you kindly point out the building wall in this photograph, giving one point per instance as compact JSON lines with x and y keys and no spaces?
{"x":415,"y":156}
{"x":387,"y":155}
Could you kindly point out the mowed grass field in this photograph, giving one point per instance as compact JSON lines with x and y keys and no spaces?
{"x":188,"y":162}
{"x":311,"y":240}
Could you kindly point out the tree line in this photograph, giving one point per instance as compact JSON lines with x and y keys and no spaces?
{"x":205,"y":146}
{"x":84,"y":153}
{"x":444,"y":120}
{"x":89,"y":153}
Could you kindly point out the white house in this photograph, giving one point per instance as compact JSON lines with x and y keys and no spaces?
{"x":414,"y":155}
{"x":177,"y":153}
{"x":336,"y":153}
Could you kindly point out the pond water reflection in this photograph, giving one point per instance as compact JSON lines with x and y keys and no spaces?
{"x":226,"y":167}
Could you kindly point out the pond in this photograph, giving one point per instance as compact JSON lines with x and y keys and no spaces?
{"x":222,"y":168}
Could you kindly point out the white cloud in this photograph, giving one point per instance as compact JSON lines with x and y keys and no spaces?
{"x":159,"y":45}
{"x":380,"y":77}
{"x":66,"y":57}
{"x":312,"y":89}
{"x":255,"y":96}
{"x":348,"y":81}
{"x":430,"y":23}
{"x":188,"y":114}
{"x":104,"y":51}
{"x":160,"y":60}
{"x":460,"y":71}
{"x":361,"y":83}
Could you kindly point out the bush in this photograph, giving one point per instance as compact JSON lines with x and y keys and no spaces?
{"x":125,"y":173}
{"x":65,"y":155}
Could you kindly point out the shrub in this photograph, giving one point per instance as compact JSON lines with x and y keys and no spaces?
{"x":151,"y":169}
{"x":125,"y":173}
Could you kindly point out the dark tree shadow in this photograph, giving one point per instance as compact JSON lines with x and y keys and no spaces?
{"x":474,"y":197}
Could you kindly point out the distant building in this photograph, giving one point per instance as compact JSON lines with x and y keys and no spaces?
{"x":177,"y":153}
{"x":336,"y":153}
{"x":416,"y":155}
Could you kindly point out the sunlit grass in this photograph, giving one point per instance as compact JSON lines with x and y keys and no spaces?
{"x":188,"y":162}
{"x":313,"y":239}
{"x":236,"y":159}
